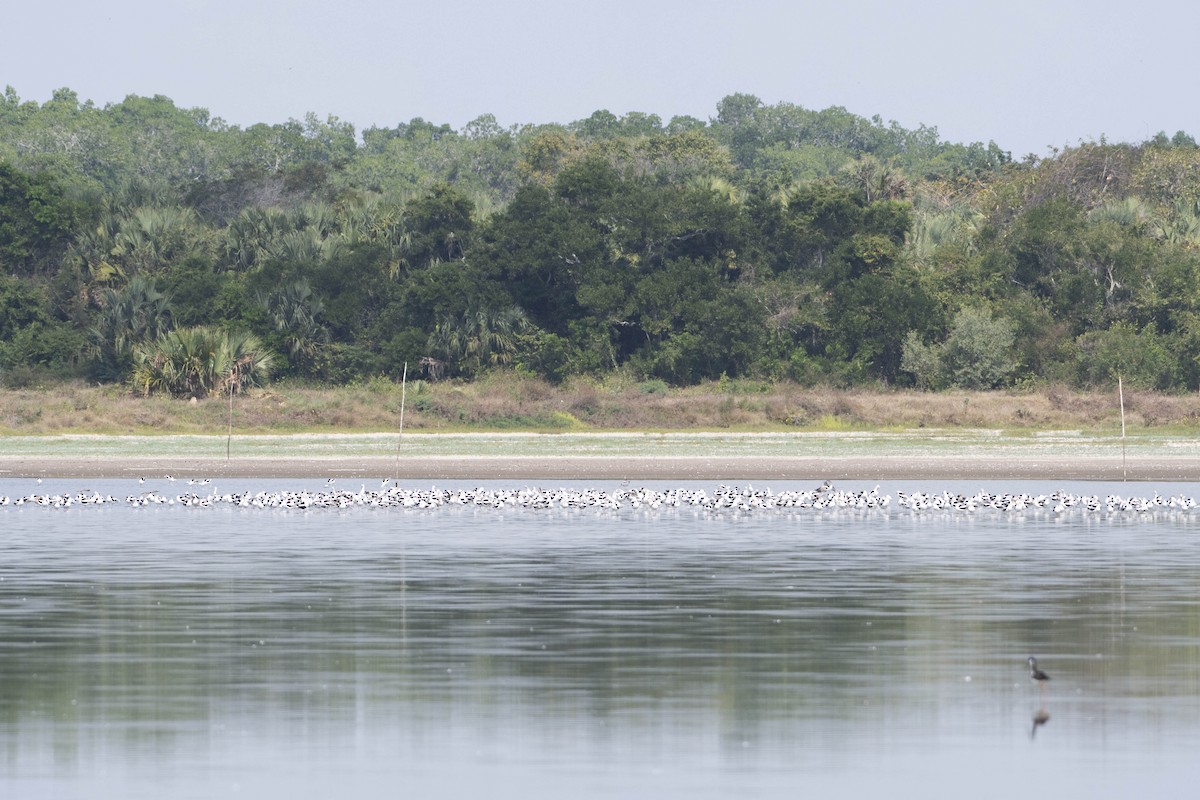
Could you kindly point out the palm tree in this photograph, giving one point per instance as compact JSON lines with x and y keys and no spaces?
{"x":128,"y":317}
{"x":384,"y":224}
{"x":304,"y":246}
{"x":1130,"y":212}
{"x":315,"y":216}
{"x":95,"y":250}
{"x":725,"y":189}
{"x":296,"y":312}
{"x":477,"y":338}
{"x":151,"y":236}
{"x":957,"y":226}
{"x":876,"y":180}
{"x":194,"y":362}
{"x":254,"y":233}
{"x":242,"y":361}
{"x":1180,"y":226}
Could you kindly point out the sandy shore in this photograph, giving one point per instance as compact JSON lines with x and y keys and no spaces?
{"x":944,"y":467}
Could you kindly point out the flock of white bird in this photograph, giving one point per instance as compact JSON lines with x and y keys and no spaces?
{"x":723,"y":499}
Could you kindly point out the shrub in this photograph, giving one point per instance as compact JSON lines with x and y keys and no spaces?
{"x":53,"y":346}
{"x":977,"y":353}
{"x":195,"y":362}
{"x":923,"y":361}
{"x":1140,"y":358}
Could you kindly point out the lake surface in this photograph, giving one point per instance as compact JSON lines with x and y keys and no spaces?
{"x":183,"y":652}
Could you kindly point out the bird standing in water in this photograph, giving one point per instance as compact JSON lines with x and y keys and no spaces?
{"x":1039,"y":677}
{"x":1036,"y":674}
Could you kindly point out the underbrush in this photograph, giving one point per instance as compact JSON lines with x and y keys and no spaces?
{"x":505,"y":401}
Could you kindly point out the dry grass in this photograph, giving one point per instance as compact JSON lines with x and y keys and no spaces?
{"x":507,"y":402}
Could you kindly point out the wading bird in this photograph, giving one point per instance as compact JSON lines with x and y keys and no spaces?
{"x":1036,"y":674}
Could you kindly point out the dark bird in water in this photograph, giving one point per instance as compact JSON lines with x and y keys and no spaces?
{"x":1035,"y":673}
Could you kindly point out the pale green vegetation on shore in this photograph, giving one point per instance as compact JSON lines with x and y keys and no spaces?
{"x":503,"y":402}
{"x":333,"y":447}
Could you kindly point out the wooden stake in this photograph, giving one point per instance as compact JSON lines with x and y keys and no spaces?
{"x":403,"y":392}
{"x":1121,"y":394}
{"x":229,"y":434}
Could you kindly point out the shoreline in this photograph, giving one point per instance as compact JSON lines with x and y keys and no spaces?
{"x":984,"y":465}
{"x":849,"y":455}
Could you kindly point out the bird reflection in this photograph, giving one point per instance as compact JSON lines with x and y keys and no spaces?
{"x":1039,"y":719}
{"x":1042,"y":716}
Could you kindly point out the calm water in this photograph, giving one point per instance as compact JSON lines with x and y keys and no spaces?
{"x":171,"y":652}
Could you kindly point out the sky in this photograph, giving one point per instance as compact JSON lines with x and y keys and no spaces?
{"x":1028,"y":74}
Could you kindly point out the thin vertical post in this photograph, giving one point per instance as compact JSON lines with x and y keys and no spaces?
{"x":1121,"y":394}
{"x":400,"y":438}
{"x":229,"y":433}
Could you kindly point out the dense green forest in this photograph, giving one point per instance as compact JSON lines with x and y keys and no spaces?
{"x":164,"y":248}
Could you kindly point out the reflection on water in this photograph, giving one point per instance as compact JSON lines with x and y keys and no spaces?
{"x":1040,"y":717}
{"x":183,"y":652}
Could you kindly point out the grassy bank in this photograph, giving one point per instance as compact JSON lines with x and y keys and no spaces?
{"x":510,"y":403}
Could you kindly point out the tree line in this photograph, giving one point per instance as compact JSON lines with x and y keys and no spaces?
{"x":164,"y":248}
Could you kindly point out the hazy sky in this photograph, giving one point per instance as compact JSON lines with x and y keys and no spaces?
{"x":1029,"y":74}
